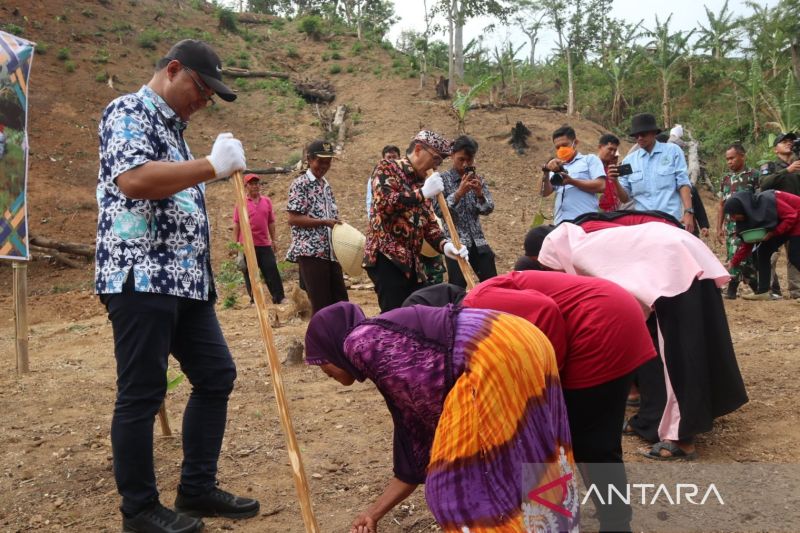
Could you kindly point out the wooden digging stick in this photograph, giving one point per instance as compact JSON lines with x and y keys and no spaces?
{"x":164,"y":419}
{"x":466,"y":269}
{"x":299,"y":473}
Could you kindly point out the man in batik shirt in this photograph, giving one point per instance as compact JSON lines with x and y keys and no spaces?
{"x":402,"y":217}
{"x":740,"y":178}
{"x":153,"y":274}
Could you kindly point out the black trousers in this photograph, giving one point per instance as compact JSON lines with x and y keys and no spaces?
{"x":391,"y":284}
{"x":482,"y":262}
{"x":269,"y":270}
{"x":147,"y":328}
{"x":649,"y":378}
{"x":323,"y":280}
{"x":700,"y":359}
{"x":764,"y":253}
{"x":596,"y":415}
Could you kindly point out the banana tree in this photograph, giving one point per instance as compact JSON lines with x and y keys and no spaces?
{"x":463,"y":101}
{"x":667,"y":51}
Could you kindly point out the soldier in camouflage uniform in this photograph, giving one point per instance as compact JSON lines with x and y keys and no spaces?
{"x":783,"y":174}
{"x":740,"y":178}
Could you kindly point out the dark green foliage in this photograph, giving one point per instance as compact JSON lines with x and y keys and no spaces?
{"x":149,"y":39}
{"x":311,"y":25}
{"x":227,"y":19}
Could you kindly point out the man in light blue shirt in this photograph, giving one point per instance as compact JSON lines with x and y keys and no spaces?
{"x":658,"y":181}
{"x":582,"y":177}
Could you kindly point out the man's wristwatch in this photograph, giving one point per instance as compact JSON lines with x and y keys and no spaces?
{"x":689,"y":210}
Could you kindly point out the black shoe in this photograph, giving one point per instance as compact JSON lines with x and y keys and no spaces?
{"x":159,"y":519}
{"x":216,"y":503}
{"x":731,"y":292}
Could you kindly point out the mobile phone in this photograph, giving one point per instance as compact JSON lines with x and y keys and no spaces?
{"x":624,"y":170}
{"x":469,"y":170}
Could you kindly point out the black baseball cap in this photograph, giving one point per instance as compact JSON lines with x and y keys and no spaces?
{"x":790,"y":136}
{"x":201,"y":58}
{"x":319,"y":148}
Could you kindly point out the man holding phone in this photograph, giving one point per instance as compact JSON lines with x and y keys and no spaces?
{"x":658,"y":180}
{"x":468,"y":198}
{"x":608,"y":152}
{"x":576,"y":178}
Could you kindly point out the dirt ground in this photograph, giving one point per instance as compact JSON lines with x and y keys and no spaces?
{"x":55,"y":456}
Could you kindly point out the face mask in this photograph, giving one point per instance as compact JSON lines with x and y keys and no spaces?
{"x":565,"y":153}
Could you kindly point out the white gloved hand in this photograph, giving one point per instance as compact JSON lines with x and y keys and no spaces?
{"x":227,"y":155}
{"x":433,"y":185}
{"x":451,"y":252}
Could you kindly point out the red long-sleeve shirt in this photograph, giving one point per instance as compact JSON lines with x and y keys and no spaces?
{"x":788,"y":223}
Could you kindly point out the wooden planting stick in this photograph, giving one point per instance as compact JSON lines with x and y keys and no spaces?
{"x":299,"y":473}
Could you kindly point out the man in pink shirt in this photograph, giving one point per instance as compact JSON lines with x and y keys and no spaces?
{"x":262,"y":225}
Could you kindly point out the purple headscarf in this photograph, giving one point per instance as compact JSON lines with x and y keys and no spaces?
{"x":326,"y":333}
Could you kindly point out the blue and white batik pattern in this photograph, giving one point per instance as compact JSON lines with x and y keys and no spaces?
{"x":164,"y":242}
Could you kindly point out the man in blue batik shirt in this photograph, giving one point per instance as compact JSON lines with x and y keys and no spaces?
{"x":659,"y":181}
{"x":153,"y":273}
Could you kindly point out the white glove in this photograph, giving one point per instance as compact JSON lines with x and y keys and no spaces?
{"x":227,"y":155}
{"x":451,"y":252}
{"x":433,"y":185}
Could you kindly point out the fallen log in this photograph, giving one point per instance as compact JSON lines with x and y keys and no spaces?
{"x":261,"y":171}
{"x":315,"y":91}
{"x":559,"y":107}
{"x":46,"y":254}
{"x":74,"y":248}
{"x":255,"y":18}
{"x":265,"y":171}
{"x":244,"y":73}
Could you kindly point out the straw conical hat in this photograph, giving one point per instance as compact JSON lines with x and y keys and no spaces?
{"x":348,"y":245}
{"x":428,"y":250}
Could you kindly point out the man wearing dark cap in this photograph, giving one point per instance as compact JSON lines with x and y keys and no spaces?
{"x":312,"y":215}
{"x":659,"y":181}
{"x":153,"y":273}
{"x":402,"y":217}
{"x":783,"y":174}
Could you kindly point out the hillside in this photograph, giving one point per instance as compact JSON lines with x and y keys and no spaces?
{"x":104,"y":40}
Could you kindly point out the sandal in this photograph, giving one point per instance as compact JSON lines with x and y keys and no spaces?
{"x":627,"y":429}
{"x":675,"y":452}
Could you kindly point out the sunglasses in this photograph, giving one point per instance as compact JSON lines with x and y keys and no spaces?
{"x":200,"y":88}
{"x":437,"y":159}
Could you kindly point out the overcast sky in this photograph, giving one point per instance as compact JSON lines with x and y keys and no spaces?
{"x":686,"y":15}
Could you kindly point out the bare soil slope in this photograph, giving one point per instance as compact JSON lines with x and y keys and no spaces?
{"x":55,"y":468}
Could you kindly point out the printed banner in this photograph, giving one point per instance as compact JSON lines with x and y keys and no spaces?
{"x":16,"y":55}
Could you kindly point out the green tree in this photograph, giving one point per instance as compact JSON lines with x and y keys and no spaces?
{"x":271,"y":7}
{"x":578,"y":25}
{"x":721,"y":36}
{"x":531,"y":20}
{"x":666,"y":51}
{"x":374,"y":16}
{"x":767,"y":35}
{"x":621,"y":59}
{"x":783,"y":107}
{"x":457,"y":13}
{"x":751,"y":83}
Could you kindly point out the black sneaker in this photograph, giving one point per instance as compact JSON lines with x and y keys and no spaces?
{"x":159,"y":519}
{"x":216,"y":503}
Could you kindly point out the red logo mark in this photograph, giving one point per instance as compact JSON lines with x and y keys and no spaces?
{"x":561,"y":482}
